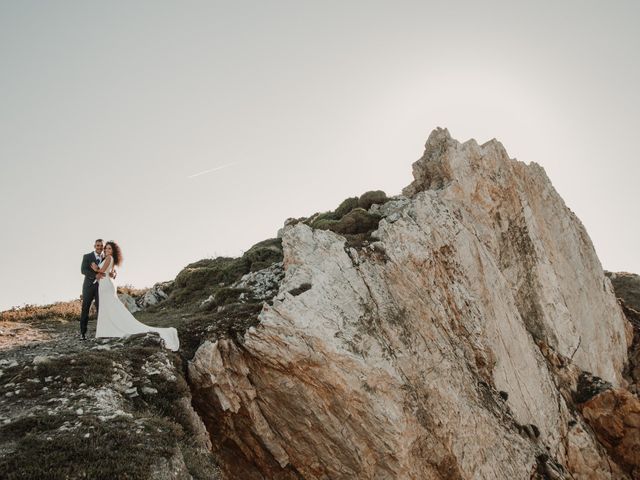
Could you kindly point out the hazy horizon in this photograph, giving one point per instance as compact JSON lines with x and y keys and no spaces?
{"x":192,"y":130}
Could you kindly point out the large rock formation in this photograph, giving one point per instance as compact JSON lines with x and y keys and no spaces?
{"x":462,"y":330}
{"x":447,"y":347}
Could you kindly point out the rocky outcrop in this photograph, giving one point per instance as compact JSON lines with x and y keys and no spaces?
{"x":614,"y":415}
{"x":129,"y":302}
{"x":633,"y":367}
{"x":627,"y":289}
{"x":98,"y":409}
{"x":154,"y":295}
{"x":143,"y":299}
{"x":447,"y":347}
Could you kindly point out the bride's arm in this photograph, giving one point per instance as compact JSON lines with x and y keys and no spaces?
{"x":107,"y":261}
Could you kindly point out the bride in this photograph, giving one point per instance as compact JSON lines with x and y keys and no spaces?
{"x":114,"y":320}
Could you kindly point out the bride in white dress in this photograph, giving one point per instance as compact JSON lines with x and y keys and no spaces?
{"x":114,"y":320}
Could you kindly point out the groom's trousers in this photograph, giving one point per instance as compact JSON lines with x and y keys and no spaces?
{"x":89,"y":294}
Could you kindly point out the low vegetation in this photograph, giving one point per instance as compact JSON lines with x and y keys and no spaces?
{"x":351,"y":218}
{"x":119,"y":412}
{"x":207,"y":277}
{"x":124,"y":447}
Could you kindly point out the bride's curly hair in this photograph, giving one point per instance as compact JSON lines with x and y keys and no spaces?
{"x":117,"y":253}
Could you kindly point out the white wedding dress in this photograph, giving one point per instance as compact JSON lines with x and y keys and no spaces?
{"x":114,"y":320}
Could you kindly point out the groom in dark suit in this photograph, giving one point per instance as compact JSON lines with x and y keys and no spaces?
{"x":90,"y":285}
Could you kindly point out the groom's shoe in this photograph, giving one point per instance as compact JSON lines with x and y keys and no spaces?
{"x":83,"y":337}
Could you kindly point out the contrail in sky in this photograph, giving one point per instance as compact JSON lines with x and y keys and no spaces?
{"x":213,"y":169}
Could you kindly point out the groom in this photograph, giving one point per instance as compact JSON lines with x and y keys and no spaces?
{"x":90,"y":285}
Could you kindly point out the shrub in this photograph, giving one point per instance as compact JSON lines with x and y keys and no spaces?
{"x":224,"y":296}
{"x":369,"y":198}
{"x":119,"y":448}
{"x":206,"y":277}
{"x":356,"y":221}
{"x":345,"y":207}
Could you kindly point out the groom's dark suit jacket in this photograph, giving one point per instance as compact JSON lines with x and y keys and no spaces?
{"x":89,"y":290}
{"x":85,"y":268}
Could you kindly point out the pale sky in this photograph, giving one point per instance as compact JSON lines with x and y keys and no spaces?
{"x":191,"y":129}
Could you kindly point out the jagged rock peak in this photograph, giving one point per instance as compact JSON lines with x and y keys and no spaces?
{"x":445,"y":160}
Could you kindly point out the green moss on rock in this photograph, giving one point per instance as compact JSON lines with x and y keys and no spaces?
{"x":138,"y":436}
{"x":123,"y":447}
{"x":626,"y":287}
{"x":369,"y":198}
{"x":225,"y":296}
{"x":262,"y":255}
{"x":357,"y":221}
{"x":323,"y":224}
{"x":203,"y":278}
{"x":345,"y":207}
{"x":352,"y":221}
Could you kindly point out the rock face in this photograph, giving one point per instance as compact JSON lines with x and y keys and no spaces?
{"x":153,"y":296}
{"x":129,"y":302}
{"x":615,"y":417}
{"x":449,"y":348}
{"x":627,"y":289}
{"x":148,"y":298}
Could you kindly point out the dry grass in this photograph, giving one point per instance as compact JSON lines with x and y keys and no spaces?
{"x":64,"y":310}
{"x":132,"y":291}
{"x":60,"y":310}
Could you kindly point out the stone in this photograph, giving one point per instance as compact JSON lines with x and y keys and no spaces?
{"x":153,"y":296}
{"x":102,"y":347}
{"x":129,"y":302}
{"x":615,"y":417}
{"x":262,"y":284}
{"x":41,"y":359}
